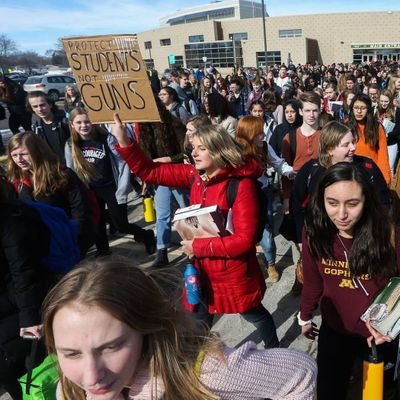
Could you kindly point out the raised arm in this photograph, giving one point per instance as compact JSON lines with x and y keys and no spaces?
{"x":173,"y":175}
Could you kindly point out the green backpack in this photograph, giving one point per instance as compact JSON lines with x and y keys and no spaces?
{"x":42,"y":383}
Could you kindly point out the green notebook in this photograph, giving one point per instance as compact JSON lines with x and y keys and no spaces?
{"x":384,"y":312}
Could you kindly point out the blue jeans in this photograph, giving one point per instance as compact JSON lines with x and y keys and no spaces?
{"x":259,"y":316}
{"x":163,"y":201}
{"x":268,"y":242}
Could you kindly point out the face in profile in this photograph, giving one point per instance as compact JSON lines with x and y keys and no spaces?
{"x":344,"y":151}
{"x":201,"y":156}
{"x":96,"y":351}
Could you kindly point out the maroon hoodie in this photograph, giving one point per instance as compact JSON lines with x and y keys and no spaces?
{"x":342,"y":299}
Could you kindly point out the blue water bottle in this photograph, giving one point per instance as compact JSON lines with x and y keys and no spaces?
{"x":192,"y":284}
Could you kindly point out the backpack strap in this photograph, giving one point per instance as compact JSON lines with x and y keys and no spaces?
{"x":231,"y":190}
{"x":293,"y":143}
{"x":186,"y":104}
{"x":30,"y":363}
{"x":314,"y":169}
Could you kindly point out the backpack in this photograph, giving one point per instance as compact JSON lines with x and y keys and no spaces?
{"x":63,"y":251}
{"x":231,"y":191}
{"x":186,"y":105}
{"x":40,"y":381}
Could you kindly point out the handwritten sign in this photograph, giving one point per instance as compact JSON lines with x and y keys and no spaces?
{"x":111,"y":77}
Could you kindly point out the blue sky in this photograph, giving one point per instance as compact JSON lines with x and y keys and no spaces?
{"x":37,"y":24}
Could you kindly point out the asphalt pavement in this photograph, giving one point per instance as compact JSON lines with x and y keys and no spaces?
{"x":234,"y":330}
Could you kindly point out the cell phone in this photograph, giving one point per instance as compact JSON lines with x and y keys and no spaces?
{"x":29,"y":336}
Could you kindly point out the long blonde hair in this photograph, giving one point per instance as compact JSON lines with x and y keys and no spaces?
{"x":223,"y":149}
{"x":392,"y":84}
{"x":85,"y":170}
{"x":172,"y":339}
{"x":47,"y":175}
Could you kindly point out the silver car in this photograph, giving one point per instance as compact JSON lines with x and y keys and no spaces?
{"x":51,"y":84}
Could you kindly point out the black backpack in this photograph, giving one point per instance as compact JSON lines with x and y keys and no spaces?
{"x":262,"y":220}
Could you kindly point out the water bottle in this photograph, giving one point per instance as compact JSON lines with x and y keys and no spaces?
{"x":148,"y":209}
{"x":192,"y":284}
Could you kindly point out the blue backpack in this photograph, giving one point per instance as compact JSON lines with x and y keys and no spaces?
{"x":63,"y":251}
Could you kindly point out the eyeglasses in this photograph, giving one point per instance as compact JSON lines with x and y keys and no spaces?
{"x":360,"y":108}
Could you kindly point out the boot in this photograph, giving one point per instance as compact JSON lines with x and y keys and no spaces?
{"x":161,"y":258}
{"x":273,"y":274}
{"x":149,"y":241}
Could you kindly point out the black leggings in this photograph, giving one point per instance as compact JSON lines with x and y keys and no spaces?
{"x":119,"y":216}
{"x":337,"y":354}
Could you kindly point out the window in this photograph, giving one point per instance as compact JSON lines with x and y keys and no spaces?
{"x":55,"y":79}
{"x":273,"y":57}
{"x":165,"y":42}
{"x":238,"y":36}
{"x":178,"y":61}
{"x":68,"y":79}
{"x":149,"y":62}
{"x":289,"y":33}
{"x":147,"y":45}
{"x":196,"y":38}
{"x":221,"y":54}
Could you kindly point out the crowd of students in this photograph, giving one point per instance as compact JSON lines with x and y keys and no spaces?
{"x":330,"y":134}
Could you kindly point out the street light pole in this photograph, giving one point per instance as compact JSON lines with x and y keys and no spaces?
{"x":265,"y":34}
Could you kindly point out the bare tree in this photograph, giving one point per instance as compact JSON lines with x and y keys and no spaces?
{"x":7,"y":45}
{"x":58,"y":56}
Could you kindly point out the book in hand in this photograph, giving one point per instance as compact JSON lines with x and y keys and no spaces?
{"x":384,"y":312}
{"x":196,"y":221}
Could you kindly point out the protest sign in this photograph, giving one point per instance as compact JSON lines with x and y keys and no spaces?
{"x":111,"y":77}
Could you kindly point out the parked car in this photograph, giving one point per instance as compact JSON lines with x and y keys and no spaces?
{"x":17,"y":77}
{"x":51,"y":84}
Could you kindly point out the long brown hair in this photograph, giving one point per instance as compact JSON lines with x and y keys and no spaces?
{"x":47,"y":175}
{"x":84,"y":169}
{"x":248,"y":129}
{"x":172,"y":339}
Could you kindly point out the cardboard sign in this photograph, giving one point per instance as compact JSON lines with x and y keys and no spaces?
{"x":111,"y":77}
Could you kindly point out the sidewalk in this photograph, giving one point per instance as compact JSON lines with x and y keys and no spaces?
{"x":234,"y":330}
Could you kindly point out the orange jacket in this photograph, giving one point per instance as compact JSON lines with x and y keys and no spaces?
{"x":380,"y":156}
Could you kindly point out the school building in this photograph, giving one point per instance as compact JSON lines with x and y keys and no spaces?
{"x":230,"y":32}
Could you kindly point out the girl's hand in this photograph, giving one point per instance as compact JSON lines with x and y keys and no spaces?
{"x":164,"y":160}
{"x":310,"y":331}
{"x":379,"y":339}
{"x":35,"y":330}
{"x":187,"y":247}
{"x":119,"y":132}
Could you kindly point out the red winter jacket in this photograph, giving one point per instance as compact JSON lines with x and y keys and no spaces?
{"x":228,"y":266}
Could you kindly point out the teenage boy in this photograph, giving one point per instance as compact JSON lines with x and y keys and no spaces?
{"x":236,"y":97}
{"x":48,"y":122}
{"x":300,"y":147}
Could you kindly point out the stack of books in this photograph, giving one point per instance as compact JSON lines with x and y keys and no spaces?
{"x":384,"y":312}
{"x":196,"y":221}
